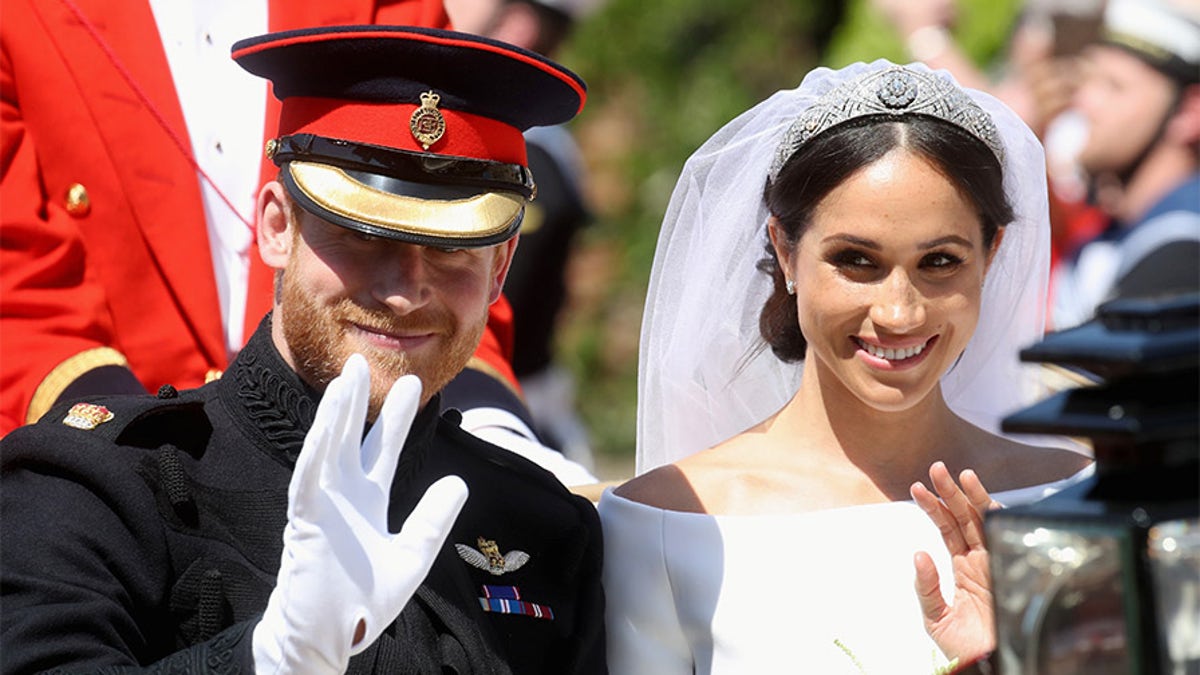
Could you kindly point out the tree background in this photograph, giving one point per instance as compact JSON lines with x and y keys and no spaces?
{"x":663,"y":76}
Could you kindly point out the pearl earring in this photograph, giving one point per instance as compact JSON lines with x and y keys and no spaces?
{"x":791,"y":287}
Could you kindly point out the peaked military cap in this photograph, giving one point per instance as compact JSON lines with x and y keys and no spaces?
{"x":413,"y":134}
{"x":1163,"y":33}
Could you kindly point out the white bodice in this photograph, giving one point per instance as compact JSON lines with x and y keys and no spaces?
{"x":824,"y":592}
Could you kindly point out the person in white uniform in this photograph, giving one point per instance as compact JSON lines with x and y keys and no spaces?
{"x":844,"y":278}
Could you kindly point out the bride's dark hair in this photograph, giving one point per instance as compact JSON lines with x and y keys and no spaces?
{"x":823,"y":163}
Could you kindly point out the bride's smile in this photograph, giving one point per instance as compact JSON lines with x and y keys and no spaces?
{"x":892,"y":356}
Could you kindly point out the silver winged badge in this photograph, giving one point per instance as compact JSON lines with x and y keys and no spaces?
{"x":489,"y":559}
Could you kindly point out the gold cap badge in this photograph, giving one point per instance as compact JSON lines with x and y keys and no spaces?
{"x":426,"y":123}
{"x":87,"y":416}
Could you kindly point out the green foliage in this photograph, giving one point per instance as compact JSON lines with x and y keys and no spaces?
{"x":982,"y":31}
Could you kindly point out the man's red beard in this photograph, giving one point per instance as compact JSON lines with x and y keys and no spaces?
{"x":317,"y":339}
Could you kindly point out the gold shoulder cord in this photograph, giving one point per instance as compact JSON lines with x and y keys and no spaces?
{"x":488,"y":369}
{"x":67,"y":372}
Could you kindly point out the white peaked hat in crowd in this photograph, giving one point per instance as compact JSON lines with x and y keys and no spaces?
{"x":1164,"y":33}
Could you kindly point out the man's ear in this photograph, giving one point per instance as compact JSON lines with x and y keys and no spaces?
{"x":275,"y":225}
{"x":1184,"y":126}
{"x":500,"y":267}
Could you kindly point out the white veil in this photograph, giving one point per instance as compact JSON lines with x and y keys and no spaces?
{"x":704,"y":372}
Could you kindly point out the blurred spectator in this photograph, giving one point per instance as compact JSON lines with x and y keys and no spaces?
{"x":537,"y":283}
{"x":127,"y":253}
{"x":925,"y":26}
{"x":1140,"y":98}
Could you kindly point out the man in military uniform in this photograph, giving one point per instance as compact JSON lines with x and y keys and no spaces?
{"x":250,"y":524}
{"x":1141,"y":101}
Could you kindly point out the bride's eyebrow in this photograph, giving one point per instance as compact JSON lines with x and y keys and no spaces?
{"x":851,"y":239}
{"x":948,"y":239}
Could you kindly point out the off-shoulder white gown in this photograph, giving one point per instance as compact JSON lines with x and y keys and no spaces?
{"x":825,"y":592}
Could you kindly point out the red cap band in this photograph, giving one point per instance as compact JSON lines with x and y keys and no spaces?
{"x":387,"y":124}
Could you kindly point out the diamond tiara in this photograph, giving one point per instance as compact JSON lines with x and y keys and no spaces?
{"x":893,"y":92}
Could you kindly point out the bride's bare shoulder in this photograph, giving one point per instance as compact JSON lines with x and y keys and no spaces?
{"x":680,"y":486}
{"x":658,"y":488}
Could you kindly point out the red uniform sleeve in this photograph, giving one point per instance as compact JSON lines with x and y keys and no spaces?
{"x":53,"y":314}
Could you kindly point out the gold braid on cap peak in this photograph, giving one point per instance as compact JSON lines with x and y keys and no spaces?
{"x":893,"y":92}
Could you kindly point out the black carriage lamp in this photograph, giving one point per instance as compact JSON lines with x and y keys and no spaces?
{"x":1104,"y":577}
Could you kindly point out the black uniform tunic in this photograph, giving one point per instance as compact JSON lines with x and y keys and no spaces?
{"x":154,"y":539}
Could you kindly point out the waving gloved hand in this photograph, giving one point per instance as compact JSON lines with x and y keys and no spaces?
{"x":343,"y":577}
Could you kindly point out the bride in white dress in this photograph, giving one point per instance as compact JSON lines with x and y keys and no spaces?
{"x":810,"y":354}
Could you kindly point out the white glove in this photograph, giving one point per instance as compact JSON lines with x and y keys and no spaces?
{"x":340,"y":565}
